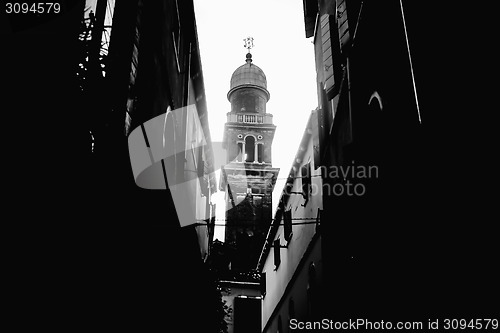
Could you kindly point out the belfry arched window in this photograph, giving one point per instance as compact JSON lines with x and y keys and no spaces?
{"x":249,"y":149}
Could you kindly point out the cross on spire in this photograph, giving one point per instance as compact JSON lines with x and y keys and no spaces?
{"x":248,"y":43}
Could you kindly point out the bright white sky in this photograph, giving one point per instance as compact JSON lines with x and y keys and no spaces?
{"x":281,"y":50}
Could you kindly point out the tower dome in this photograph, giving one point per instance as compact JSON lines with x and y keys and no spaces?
{"x":248,"y":76}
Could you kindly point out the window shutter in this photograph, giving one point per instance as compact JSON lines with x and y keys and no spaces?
{"x":326,"y":40}
{"x":306,"y":180}
{"x":287,"y":221}
{"x":263,"y":283}
{"x":317,"y":136}
{"x":343,"y":25}
{"x":277,"y":257}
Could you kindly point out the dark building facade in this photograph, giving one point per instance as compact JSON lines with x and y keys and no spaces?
{"x":113,"y":254}
{"x":290,"y":264}
{"x":359,"y":246}
{"x":346,"y":256}
{"x":154,"y":68}
{"x":384,"y":244}
{"x":368,"y":117}
{"x":125,"y":259}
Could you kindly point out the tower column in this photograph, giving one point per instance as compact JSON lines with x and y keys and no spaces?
{"x":255,"y":158}
{"x":243,"y":152}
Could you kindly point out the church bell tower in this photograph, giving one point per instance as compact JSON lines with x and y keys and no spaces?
{"x":248,"y":178}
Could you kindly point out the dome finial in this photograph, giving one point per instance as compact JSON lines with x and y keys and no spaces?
{"x":248,"y":45}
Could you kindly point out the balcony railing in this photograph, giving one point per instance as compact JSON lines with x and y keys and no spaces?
{"x":250,"y":118}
